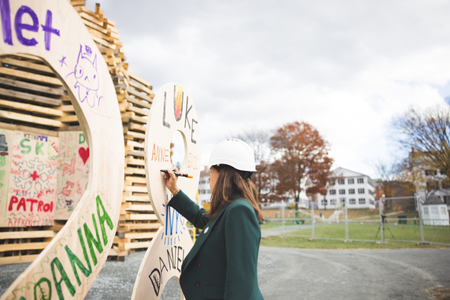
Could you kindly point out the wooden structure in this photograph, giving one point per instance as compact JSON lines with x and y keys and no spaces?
{"x":167,"y":251}
{"x":75,"y":255}
{"x":33,"y":99}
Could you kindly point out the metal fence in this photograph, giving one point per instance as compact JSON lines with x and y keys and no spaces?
{"x":379,"y":229}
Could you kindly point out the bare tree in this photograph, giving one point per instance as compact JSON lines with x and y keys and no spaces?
{"x":428,"y":134}
{"x":259,"y":140}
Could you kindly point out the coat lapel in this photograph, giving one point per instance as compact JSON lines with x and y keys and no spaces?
{"x":199,"y":243}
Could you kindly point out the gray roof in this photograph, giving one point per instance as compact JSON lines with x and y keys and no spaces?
{"x":433,"y":200}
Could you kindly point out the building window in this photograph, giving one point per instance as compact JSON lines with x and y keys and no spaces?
{"x":425,"y":211}
{"x":341,"y":181}
{"x":324,"y":202}
{"x":360,"y":180}
{"x":371,"y":183}
{"x":443,"y":211}
{"x":360,"y":191}
{"x":430,"y":172}
{"x":342,"y":200}
{"x":341,"y":192}
{"x":351,"y":191}
{"x":351,"y":181}
{"x":361,"y":201}
{"x":371,"y":202}
{"x":333,"y":202}
{"x":332,"y":182}
{"x":434,"y":211}
{"x":370,"y":192}
{"x":332,"y":192}
{"x":446,"y":199}
{"x":351,"y":201}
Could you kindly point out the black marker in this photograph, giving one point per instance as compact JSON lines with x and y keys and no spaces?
{"x":178,"y":174}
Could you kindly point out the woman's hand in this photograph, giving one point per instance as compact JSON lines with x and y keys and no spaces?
{"x":171,"y":181}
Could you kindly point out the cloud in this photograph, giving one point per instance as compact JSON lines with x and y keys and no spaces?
{"x":346,"y":67}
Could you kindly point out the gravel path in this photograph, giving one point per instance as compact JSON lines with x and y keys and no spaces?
{"x":286,"y":273}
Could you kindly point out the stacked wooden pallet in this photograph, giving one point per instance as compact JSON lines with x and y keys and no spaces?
{"x":33,"y":99}
{"x":138,"y":223}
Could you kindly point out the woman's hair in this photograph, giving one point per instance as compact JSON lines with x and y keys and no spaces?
{"x":230,"y":183}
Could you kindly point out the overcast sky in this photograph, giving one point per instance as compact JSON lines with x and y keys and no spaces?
{"x":346,"y":67}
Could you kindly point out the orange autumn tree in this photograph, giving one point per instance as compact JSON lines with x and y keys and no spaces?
{"x":300,"y":154}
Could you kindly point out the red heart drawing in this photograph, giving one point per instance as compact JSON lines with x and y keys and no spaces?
{"x":84,"y":154}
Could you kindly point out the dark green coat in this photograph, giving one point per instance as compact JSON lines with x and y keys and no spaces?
{"x":222,"y":264}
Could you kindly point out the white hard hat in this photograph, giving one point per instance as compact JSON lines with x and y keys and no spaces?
{"x":235,"y":153}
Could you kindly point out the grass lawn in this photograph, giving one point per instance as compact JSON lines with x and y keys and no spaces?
{"x":362,"y":232}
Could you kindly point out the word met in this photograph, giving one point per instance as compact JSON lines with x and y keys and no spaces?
{"x":20,"y":26}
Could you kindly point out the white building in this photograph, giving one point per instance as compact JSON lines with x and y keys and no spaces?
{"x":204,"y":192}
{"x":434,"y":212}
{"x":354,"y":189}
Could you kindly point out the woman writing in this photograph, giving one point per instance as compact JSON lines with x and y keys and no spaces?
{"x":222,"y":264}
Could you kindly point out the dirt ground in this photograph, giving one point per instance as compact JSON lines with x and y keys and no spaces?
{"x":287,"y":273}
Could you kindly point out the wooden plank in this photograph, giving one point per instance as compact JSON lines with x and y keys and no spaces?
{"x":136,"y":135}
{"x":140,"y":111}
{"x":30,"y":76}
{"x":27,"y":65}
{"x":90,"y":13}
{"x":136,"y":207}
{"x":149,"y":226}
{"x":23,"y":246}
{"x":69,"y":118}
{"x":136,"y":162}
{"x":17,"y":259}
{"x":117,"y":252}
{"x":141,"y":88}
{"x":135,"y":144}
{"x":139,"y":95}
{"x":118,"y":240}
{"x":92,"y":19}
{"x":103,"y":43}
{"x":29,"y":97}
{"x":34,"y":130}
{"x":96,"y":33}
{"x":66,"y":108}
{"x":113,"y":34}
{"x":137,"y":198}
{"x":137,"y":127}
{"x":29,"y":118}
{"x":27,"y":234}
{"x":139,"y":189}
{"x":135,"y":245}
{"x":135,"y":217}
{"x":135,"y":153}
{"x":30,"y":108}
{"x":138,"y":119}
{"x":139,"y":79}
{"x":134,"y":171}
{"x":140,"y":235}
{"x":139,"y":103}
{"x":33,"y":87}
{"x":130,"y":180}
{"x":70,"y":128}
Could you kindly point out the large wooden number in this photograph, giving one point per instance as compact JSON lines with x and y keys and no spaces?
{"x":52,"y":30}
{"x":172,"y":110}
